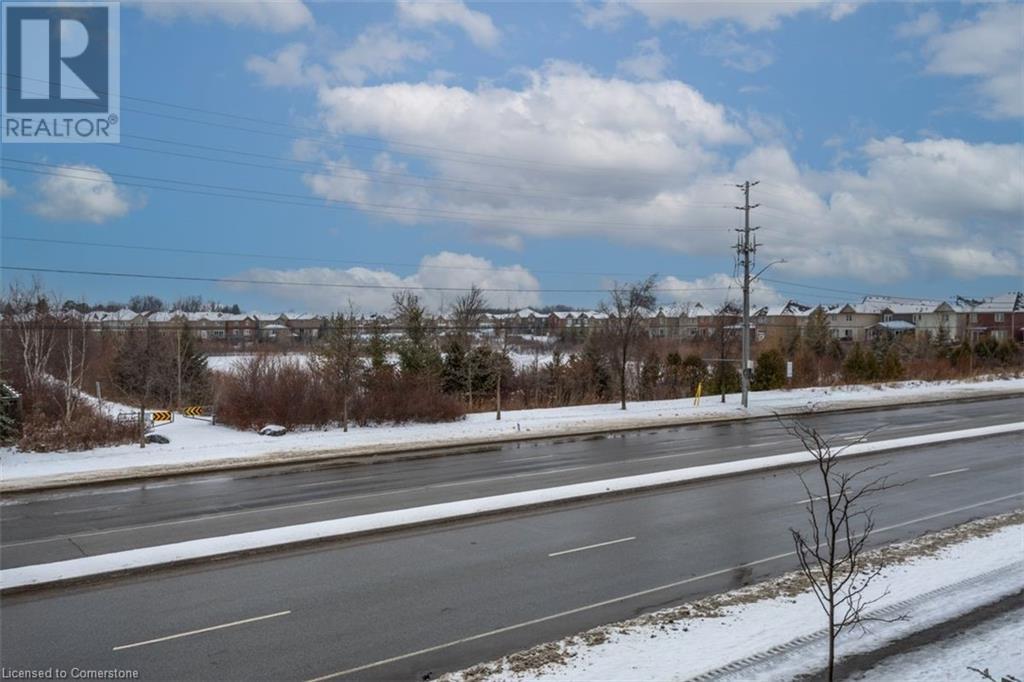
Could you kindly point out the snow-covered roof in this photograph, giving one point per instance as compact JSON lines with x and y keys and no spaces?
{"x":1012,"y":301}
{"x":896,"y":325}
{"x":898,"y":306}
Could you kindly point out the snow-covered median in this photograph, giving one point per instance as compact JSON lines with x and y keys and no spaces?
{"x":200,"y":446}
{"x":771,"y":631}
{"x":238,"y":543}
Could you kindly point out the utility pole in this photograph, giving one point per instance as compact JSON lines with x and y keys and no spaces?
{"x":746,"y":250}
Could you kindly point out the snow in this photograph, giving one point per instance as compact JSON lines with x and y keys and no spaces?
{"x":228,"y":363}
{"x":773,"y":636}
{"x":334,"y":528}
{"x":198,"y":445}
{"x":995,"y":646}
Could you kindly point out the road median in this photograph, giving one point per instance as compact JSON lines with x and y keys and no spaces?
{"x":240,"y":544}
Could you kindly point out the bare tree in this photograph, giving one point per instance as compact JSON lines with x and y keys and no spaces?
{"x":986,"y":675}
{"x":498,"y":359}
{"x":72,"y":360}
{"x":467,"y":313}
{"x":831,"y":551}
{"x":625,"y":312}
{"x":28,"y":311}
{"x":725,"y":378}
{"x":337,"y":359}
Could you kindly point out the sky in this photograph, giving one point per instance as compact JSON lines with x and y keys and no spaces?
{"x":301,"y":156}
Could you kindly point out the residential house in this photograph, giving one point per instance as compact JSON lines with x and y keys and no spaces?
{"x":1000,"y":317}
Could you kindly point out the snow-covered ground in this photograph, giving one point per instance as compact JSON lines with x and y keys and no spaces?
{"x":227,"y":363}
{"x":196,"y":444}
{"x":771,"y":631}
{"x":996,"y":646}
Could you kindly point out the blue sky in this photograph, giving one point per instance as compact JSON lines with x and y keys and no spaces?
{"x":544,"y":149}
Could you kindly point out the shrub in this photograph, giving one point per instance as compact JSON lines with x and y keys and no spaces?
{"x":725,"y":378}
{"x":391,"y":398}
{"x":267,"y":390}
{"x":87,"y":429}
{"x":770,"y":371}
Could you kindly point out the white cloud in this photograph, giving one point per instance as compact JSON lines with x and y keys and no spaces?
{"x":968,"y":261}
{"x":754,"y":15}
{"x":279,"y":16}
{"x":988,"y":49}
{"x":924,"y":24}
{"x":573,"y":154}
{"x":6,"y":189}
{"x":647,"y":62}
{"x":714,"y":290}
{"x":608,"y":15}
{"x":81,"y":192}
{"x":287,"y":68}
{"x":736,"y":53}
{"x":477,"y":25}
{"x":379,"y":51}
{"x":444,"y":271}
{"x":927,"y":198}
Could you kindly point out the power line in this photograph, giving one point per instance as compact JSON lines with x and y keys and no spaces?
{"x":321,"y":169}
{"x":333,"y":285}
{"x":300,"y":200}
{"x":206,"y":252}
{"x":322,"y":136}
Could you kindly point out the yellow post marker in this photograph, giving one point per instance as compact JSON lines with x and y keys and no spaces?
{"x":696,"y":396}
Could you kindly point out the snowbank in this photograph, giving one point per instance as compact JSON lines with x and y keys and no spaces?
{"x":197,"y":445}
{"x":766,"y":632}
{"x":237,"y":543}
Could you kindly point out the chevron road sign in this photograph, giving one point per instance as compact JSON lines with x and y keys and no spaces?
{"x":160,"y":417}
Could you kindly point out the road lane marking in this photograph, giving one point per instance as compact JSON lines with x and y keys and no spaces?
{"x":334,"y":482}
{"x":201,"y":630}
{"x":348,"y":498}
{"x":626,"y":597}
{"x":947,"y":473}
{"x":815,"y":499}
{"x":599,"y":544}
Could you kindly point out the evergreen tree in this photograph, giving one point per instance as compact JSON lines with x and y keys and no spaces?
{"x":650,"y":376}
{"x":337,"y":360}
{"x":817,"y":334}
{"x":855,"y":365}
{"x":597,"y":376}
{"x":892,"y":366}
{"x":674,"y":371}
{"x":417,"y":354}
{"x":555,"y":371}
{"x":377,"y":347}
{"x":872,"y":369}
{"x":694,"y":372}
{"x":194,"y":371}
{"x":453,"y":369}
{"x":724,"y":379}
{"x":770,"y":372}
{"x":10,"y":426}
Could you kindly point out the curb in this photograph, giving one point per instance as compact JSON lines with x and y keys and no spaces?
{"x":87,"y":569}
{"x":440,"y":448}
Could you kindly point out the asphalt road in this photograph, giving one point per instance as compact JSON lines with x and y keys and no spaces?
{"x":52,"y":526}
{"x":400,"y":606}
